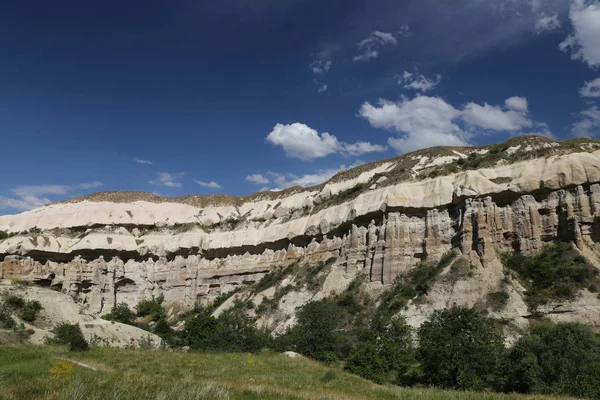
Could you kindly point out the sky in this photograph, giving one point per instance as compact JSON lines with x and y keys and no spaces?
{"x":236,"y":96}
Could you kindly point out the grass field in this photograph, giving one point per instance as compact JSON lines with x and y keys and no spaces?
{"x":39,"y":372}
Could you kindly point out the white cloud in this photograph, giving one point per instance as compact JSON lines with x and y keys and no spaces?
{"x":89,"y":185}
{"x":39,"y":190}
{"x":547,"y":23}
{"x":588,"y":124}
{"x":358,"y":148}
{"x":259,"y":179}
{"x":140,"y":161}
{"x":23,"y":203}
{"x":322,"y":88}
{"x":591,"y":89}
{"x":33,"y":196}
{"x":167,"y":179}
{"x":287,"y":180}
{"x":321,"y":66}
{"x":302,"y":142}
{"x":419,"y":82}
{"x":370,"y":46}
{"x":583,"y":41}
{"x":211,"y":185}
{"x":430,"y":121}
{"x":517,"y":103}
{"x":495,"y":118}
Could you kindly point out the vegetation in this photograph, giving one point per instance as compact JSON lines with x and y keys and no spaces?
{"x":413,"y":283}
{"x":460,"y":349}
{"x":121,"y":313}
{"x":3,"y":235}
{"x":558,"y":272}
{"x":71,"y":335}
{"x":33,"y":372}
{"x":562,"y":359}
{"x":151,"y":308}
{"x":27,"y":310}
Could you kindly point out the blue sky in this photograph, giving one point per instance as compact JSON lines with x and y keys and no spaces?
{"x":235,"y":96}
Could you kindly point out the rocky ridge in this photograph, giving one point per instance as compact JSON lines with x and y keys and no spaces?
{"x":377,"y":220}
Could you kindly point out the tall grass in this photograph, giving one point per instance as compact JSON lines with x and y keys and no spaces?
{"x":134,"y":374}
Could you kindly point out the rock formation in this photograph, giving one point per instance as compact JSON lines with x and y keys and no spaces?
{"x":379,"y":219}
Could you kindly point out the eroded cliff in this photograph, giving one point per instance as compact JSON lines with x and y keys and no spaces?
{"x":378,"y":220}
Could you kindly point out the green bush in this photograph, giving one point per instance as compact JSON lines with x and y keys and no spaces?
{"x":385,"y":353}
{"x":14,"y":302}
{"x":3,"y":235}
{"x":557,"y":272}
{"x":460,"y":349}
{"x":317,"y":333}
{"x":152,"y":308}
{"x":121,"y":313}
{"x":563,"y":359}
{"x":30,"y":310}
{"x":71,"y":335}
{"x":498,"y":300}
{"x":6,"y":320}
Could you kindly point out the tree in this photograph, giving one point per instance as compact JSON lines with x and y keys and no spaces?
{"x":317,"y":333}
{"x":121,"y":313}
{"x":385,"y":352}
{"x":460,"y":349}
{"x":561,"y":359}
{"x":69,"y":334}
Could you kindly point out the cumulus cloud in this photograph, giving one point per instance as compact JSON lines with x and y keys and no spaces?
{"x":419,"y":82}
{"x":211,"y":185}
{"x":322,"y":88}
{"x":429,"y":121}
{"x":33,"y":196}
{"x":370,"y":46}
{"x":287,"y":180}
{"x":140,"y":161}
{"x":167,"y":179}
{"x":259,"y":179}
{"x":302,"y":142}
{"x":588,"y":124}
{"x":495,"y":118}
{"x":517,"y":103}
{"x":547,"y":23}
{"x":583,"y":41}
{"x":591,"y":89}
{"x":23,"y":203}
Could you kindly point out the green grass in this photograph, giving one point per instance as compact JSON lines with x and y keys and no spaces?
{"x":134,"y":374}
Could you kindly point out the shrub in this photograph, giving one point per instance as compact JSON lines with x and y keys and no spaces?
{"x":14,"y":302}
{"x":236,"y":332}
{"x":3,"y":235}
{"x":460,"y":349}
{"x":30,"y":310}
{"x":562,"y":359}
{"x":121,"y":313}
{"x":317,"y":332}
{"x":71,"y":335}
{"x":152,"y":308}
{"x":498,"y":300}
{"x":557,"y":272}
{"x":386,"y":351}
{"x":199,"y":331}
{"x":6,"y":320}
{"x":366,"y":361}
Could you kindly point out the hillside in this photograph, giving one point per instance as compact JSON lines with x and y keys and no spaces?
{"x":371,"y":224}
{"x":108,"y":374}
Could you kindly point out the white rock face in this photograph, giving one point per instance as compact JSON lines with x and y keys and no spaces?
{"x":108,"y":252}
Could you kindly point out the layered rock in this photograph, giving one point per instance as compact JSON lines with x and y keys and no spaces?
{"x":110,"y":252}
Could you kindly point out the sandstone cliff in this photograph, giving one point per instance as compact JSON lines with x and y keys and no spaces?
{"x":377,"y":220}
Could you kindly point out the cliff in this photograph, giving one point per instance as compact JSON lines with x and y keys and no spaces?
{"x":377,"y":220}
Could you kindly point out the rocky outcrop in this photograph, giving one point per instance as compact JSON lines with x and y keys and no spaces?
{"x":109,"y":252}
